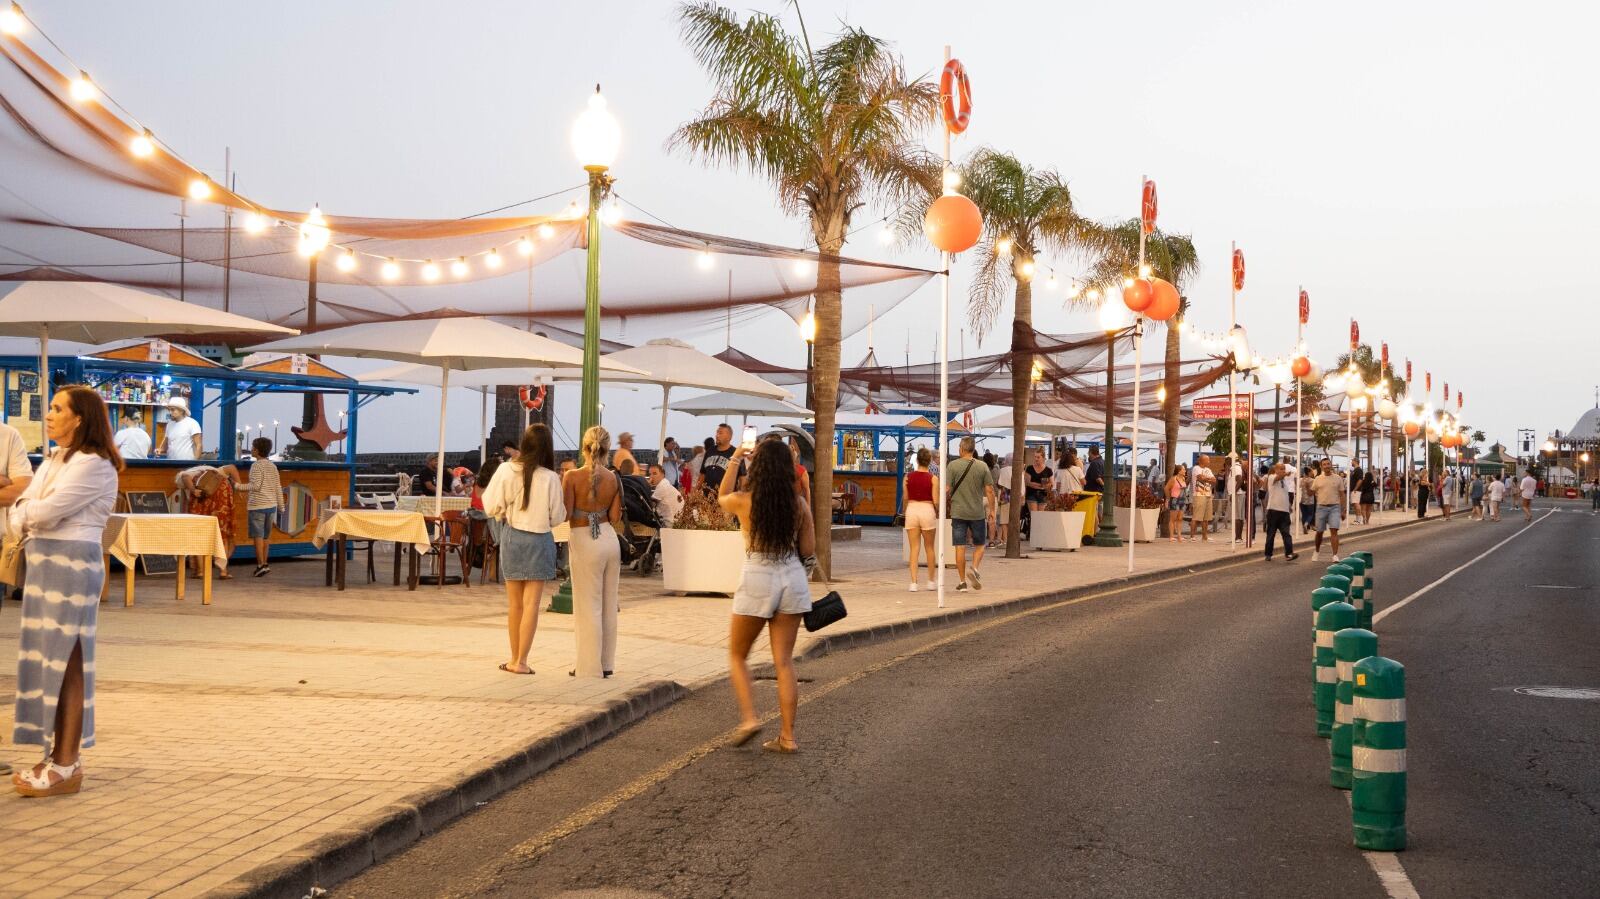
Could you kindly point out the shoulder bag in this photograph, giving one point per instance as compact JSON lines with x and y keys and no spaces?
{"x":957,"y":486}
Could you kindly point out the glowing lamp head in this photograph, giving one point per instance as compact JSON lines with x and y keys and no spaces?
{"x":346,"y":261}
{"x":1113,"y":316}
{"x":391,"y":270}
{"x":11,"y":20}
{"x":492,"y":259}
{"x":314,"y":233}
{"x":545,"y":232}
{"x":143,"y":145}
{"x":82,"y":89}
{"x":808,"y":328}
{"x":1386,"y":408}
{"x":524,"y":246}
{"x":200,"y":189}
{"x":1353,"y":388}
{"x":430,"y":271}
{"x":1549,"y":446}
{"x":459,"y":267}
{"x":706,"y":260}
{"x":612,"y":213}
{"x":255,"y":223}
{"x":1161,"y":394}
{"x":1026,"y":270}
{"x":1002,"y":247}
{"x":952,"y":179}
{"x":596,"y":137}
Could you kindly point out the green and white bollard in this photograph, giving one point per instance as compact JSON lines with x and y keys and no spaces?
{"x":1338,"y":582}
{"x":1319,"y":598}
{"x":1331,"y":618}
{"x":1350,"y":646}
{"x":1378,"y":755}
{"x":1353,"y":570}
{"x":1366,"y":608}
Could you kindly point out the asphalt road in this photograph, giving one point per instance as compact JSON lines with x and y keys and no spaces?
{"x":1154,"y":741}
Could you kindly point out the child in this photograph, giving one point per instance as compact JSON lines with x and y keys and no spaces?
{"x":266,"y":498}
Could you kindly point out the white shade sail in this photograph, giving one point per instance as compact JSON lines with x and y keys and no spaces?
{"x":737,"y":404}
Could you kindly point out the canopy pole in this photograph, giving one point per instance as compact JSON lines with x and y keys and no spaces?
{"x":44,"y":389}
{"x":1138,"y":361}
{"x":661,"y":445}
{"x":483,"y":426}
{"x":944,"y":372}
{"x":1233,"y":409}
{"x":438,"y":477}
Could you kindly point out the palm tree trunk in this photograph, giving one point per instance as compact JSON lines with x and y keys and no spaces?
{"x":828,"y":230}
{"x":1174,"y":404}
{"x":1021,"y":385}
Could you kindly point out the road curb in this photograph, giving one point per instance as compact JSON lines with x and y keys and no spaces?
{"x":340,"y":855}
{"x":345,"y":853}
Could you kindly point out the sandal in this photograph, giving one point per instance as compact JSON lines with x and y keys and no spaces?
{"x":507,"y":669}
{"x":776,"y":745}
{"x":745,"y":734}
{"x":35,"y":782}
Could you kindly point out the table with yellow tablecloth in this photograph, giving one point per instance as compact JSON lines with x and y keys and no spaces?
{"x":395,"y":526}
{"x":128,"y":536}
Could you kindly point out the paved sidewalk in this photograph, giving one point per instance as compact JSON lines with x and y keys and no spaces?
{"x":234,"y":736}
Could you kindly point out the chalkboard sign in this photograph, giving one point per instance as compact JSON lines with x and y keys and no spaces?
{"x":13,"y":404}
{"x":28,"y":382}
{"x":152,"y":502}
{"x":33,"y":407}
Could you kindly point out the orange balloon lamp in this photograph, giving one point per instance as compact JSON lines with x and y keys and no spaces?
{"x":1301,"y":366}
{"x":1164,"y":304}
{"x":1138,"y":296}
{"x":1412,"y":429}
{"x":953,"y":223}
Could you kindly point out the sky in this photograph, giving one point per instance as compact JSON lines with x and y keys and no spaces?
{"x":1423,"y":168}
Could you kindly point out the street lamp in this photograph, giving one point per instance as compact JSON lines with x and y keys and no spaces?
{"x":596,"y":139}
{"x":1112,"y":320}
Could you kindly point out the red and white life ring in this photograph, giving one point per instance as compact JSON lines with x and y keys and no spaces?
{"x":1147,"y":207}
{"x":1238,"y":269}
{"x":532,"y":397}
{"x":954,"y":89}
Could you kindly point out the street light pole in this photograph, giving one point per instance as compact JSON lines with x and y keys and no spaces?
{"x":595,"y":141}
{"x":1106,"y":534}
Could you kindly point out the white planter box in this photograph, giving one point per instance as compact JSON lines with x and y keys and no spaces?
{"x":1057,"y":530}
{"x":1148,"y":519}
{"x":949,"y":549}
{"x":701,"y":561}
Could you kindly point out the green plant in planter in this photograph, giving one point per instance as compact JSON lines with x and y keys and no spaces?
{"x":1063,"y":502}
{"x":1148,"y":498}
{"x":703,"y":513}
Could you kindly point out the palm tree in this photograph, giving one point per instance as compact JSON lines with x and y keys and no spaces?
{"x":832,"y":130}
{"x":1172,"y":258}
{"x":1026,"y":212}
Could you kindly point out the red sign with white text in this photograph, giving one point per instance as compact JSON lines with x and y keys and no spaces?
{"x":1213,"y":407}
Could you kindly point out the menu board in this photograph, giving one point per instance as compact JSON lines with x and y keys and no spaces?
{"x":152,"y":502}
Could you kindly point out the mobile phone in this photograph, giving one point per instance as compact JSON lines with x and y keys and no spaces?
{"x":748,"y":441}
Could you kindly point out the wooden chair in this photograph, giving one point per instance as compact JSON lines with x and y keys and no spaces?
{"x":480,"y":538}
{"x":450,"y":536}
{"x":359,"y":543}
{"x":845,"y":508}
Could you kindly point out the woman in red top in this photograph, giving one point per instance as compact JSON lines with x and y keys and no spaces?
{"x":922,"y":516}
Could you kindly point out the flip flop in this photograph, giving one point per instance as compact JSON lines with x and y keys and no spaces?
{"x":744,"y":735}
{"x":776,"y":745}
{"x":507,"y":669}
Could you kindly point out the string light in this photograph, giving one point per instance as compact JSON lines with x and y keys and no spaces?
{"x":1002,"y":247}
{"x":200,"y":189}
{"x":573,"y":211}
{"x":1161,"y":394}
{"x":802,"y":266}
{"x":143,"y":145}
{"x":346,"y":261}
{"x":82,"y":89}
{"x":546,"y":231}
{"x":886,"y":236}
{"x":314,"y":233}
{"x":1144,"y":271}
{"x":493,"y":259}
{"x":391,"y":269}
{"x":459,"y":267}
{"x":524,"y":246}
{"x":1051,"y":283}
{"x":430,"y":271}
{"x":952,"y":179}
{"x":12,"y":21}
{"x":1027,"y":270}
{"x":612,"y":213}
{"x":706,"y":260}
{"x":1127,"y":282}
{"x":255,"y":223}
{"x":1094,"y":294}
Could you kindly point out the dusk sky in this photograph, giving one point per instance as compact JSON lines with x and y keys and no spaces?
{"x":1423,"y":168}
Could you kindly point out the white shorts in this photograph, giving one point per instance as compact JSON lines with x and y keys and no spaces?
{"x":767,"y":587}
{"x":921,"y":515}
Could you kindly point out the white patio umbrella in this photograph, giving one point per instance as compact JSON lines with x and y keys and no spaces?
{"x":738,"y":404}
{"x":482,"y":381}
{"x":93,"y":312}
{"x":448,"y":344}
{"x":677,"y":364}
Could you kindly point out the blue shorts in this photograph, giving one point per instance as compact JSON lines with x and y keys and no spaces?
{"x":258,"y":523}
{"x":769,"y":586}
{"x":527,"y":556}
{"x":1174,"y":504}
{"x":969,"y":532}
{"x":1328,"y":518}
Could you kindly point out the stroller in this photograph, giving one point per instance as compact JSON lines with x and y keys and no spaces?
{"x":641,"y":525}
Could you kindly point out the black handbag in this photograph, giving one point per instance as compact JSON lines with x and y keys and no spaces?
{"x":825,"y":611}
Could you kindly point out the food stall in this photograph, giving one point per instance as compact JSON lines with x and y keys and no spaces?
{"x":873,"y":453}
{"x":143,"y":376}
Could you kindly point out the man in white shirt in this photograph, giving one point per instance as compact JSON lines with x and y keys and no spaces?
{"x":1529,"y":488}
{"x":182,"y":440}
{"x":668,"y":501}
{"x":1497,"y":495}
{"x":17,"y":471}
{"x":133,"y":441}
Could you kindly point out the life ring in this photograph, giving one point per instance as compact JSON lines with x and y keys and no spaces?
{"x":532,"y":397}
{"x":1238,"y":269}
{"x":1147,"y":209}
{"x":953,"y":83}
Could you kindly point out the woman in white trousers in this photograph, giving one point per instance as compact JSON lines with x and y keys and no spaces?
{"x":593,"y":497}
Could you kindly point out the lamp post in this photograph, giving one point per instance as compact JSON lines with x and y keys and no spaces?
{"x":595,"y":141}
{"x":808,"y":333}
{"x":1111,"y":319}
{"x":1550,"y":468}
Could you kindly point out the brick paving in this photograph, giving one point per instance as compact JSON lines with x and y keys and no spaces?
{"x":232,"y":735}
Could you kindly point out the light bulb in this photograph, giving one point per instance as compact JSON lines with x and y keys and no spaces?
{"x":1094,"y":294}
{"x":1027,"y":270}
{"x":1002,"y":247}
{"x":347,"y":261}
{"x":255,"y":223}
{"x":808,"y":327}
{"x":546,"y":231}
{"x":573,"y":211}
{"x":706,"y":260}
{"x":11,"y":20}
{"x":142,"y":145}
{"x":1051,"y":283}
{"x":1161,"y":394}
{"x":459,"y":267}
{"x":524,"y":246}
{"x":952,"y":179}
{"x":314,"y":233}
{"x":200,"y":189}
{"x":886,"y":236}
{"x":1127,"y":282}
{"x":612,"y":213}
{"x":82,"y":89}
{"x":802,"y":266}
{"x":596,"y":137}
{"x":1144,"y":270}
{"x":1111,"y":316}
{"x":391,"y":269}
{"x":492,"y":260}
{"x":430,"y":271}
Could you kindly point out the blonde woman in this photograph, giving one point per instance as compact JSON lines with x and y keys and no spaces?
{"x":593,"y":498}
{"x":922,"y":516}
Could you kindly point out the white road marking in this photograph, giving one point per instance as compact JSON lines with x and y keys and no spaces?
{"x":1459,"y":568}
{"x":1391,"y":874}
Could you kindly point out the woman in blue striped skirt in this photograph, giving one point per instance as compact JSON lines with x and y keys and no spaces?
{"x":61,"y":516}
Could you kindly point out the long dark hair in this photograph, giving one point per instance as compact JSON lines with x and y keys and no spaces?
{"x":535,"y":451}
{"x":94,"y":425}
{"x":773,"y":503}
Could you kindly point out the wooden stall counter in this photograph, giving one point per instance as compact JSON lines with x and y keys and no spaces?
{"x":872,"y":495}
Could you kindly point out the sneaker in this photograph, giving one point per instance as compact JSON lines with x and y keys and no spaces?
{"x":1336,"y":557}
{"x":1266,"y":559}
{"x":913,"y":586}
{"x":261,"y":570}
{"x":1291,"y":557}
{"x":1316,"y":555}
{"x":972,"y":578}
{"x":961,"y":587}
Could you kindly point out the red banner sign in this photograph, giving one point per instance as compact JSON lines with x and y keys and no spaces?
{"x":1214,"y":407}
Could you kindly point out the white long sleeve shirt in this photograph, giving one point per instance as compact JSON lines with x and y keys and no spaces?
{"x":502,"y":499}
{"x":68,"y":500}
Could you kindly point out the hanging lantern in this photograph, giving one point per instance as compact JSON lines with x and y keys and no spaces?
{"x":1386,"y":408}
{"x":1354,"y":388}
{"x":1313,"y":373}
{"x":953,"y":223}
{"x":1138,"y":295}
{"x":1412,"y":429}
{"x":1301,"y":366}
{"x":1165,"y":302}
